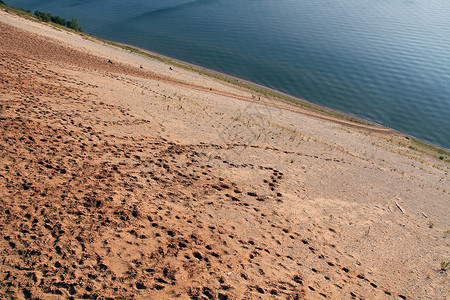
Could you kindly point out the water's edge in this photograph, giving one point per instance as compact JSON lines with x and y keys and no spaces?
{"x":239,"y":82}
{"x":260,"y":88}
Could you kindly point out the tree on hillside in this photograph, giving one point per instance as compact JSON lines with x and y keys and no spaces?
{"x":74,"y":24}
{"x":58,"y":20}
{"x":46,"y":17}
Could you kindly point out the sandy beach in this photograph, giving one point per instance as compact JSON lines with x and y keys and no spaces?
{"x":124,"y":177}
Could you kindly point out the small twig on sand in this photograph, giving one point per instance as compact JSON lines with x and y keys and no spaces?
{"x":399,"y":207}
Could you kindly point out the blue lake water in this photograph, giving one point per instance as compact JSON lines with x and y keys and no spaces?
{"x":387,"y":61}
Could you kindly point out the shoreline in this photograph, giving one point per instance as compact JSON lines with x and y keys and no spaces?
{"x":245,"y":84}
{"x":324,"y":112}
{"x":309,"y":108}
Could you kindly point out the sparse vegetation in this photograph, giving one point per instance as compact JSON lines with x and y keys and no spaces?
{"x":445,"y":266}
{"x":424,"y":147}
{"x":46,"y":17}
{"x":222,"y":77}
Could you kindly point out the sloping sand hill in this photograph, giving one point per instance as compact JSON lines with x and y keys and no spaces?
{"x":122,"y":177}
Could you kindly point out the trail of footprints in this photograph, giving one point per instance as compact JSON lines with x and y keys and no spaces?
{"x":87,"y":214}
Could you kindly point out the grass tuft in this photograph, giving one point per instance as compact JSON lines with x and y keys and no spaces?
{"x":445,"y":266}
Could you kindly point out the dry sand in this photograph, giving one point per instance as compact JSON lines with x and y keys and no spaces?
{"x":121,"y":182}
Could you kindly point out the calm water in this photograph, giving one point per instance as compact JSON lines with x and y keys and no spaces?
{"x":384,"y":60}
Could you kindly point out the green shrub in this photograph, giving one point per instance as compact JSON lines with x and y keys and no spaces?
{"x":58,"y":20}
{"x":445,"y":265}
{"x":73,"y":24}
{"x":46,"y":17}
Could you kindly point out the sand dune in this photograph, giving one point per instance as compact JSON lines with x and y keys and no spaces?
{"x":134,"y":179}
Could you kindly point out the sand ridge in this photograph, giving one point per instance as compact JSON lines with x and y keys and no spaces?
{"x":123,"y":183}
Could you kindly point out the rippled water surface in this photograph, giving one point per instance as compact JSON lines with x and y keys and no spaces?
{"x":384,"y":60}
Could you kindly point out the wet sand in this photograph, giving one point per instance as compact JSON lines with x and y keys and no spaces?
{"x":118,"y":181}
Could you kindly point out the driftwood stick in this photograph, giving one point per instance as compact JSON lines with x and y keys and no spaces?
{"x":399,"y":207}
